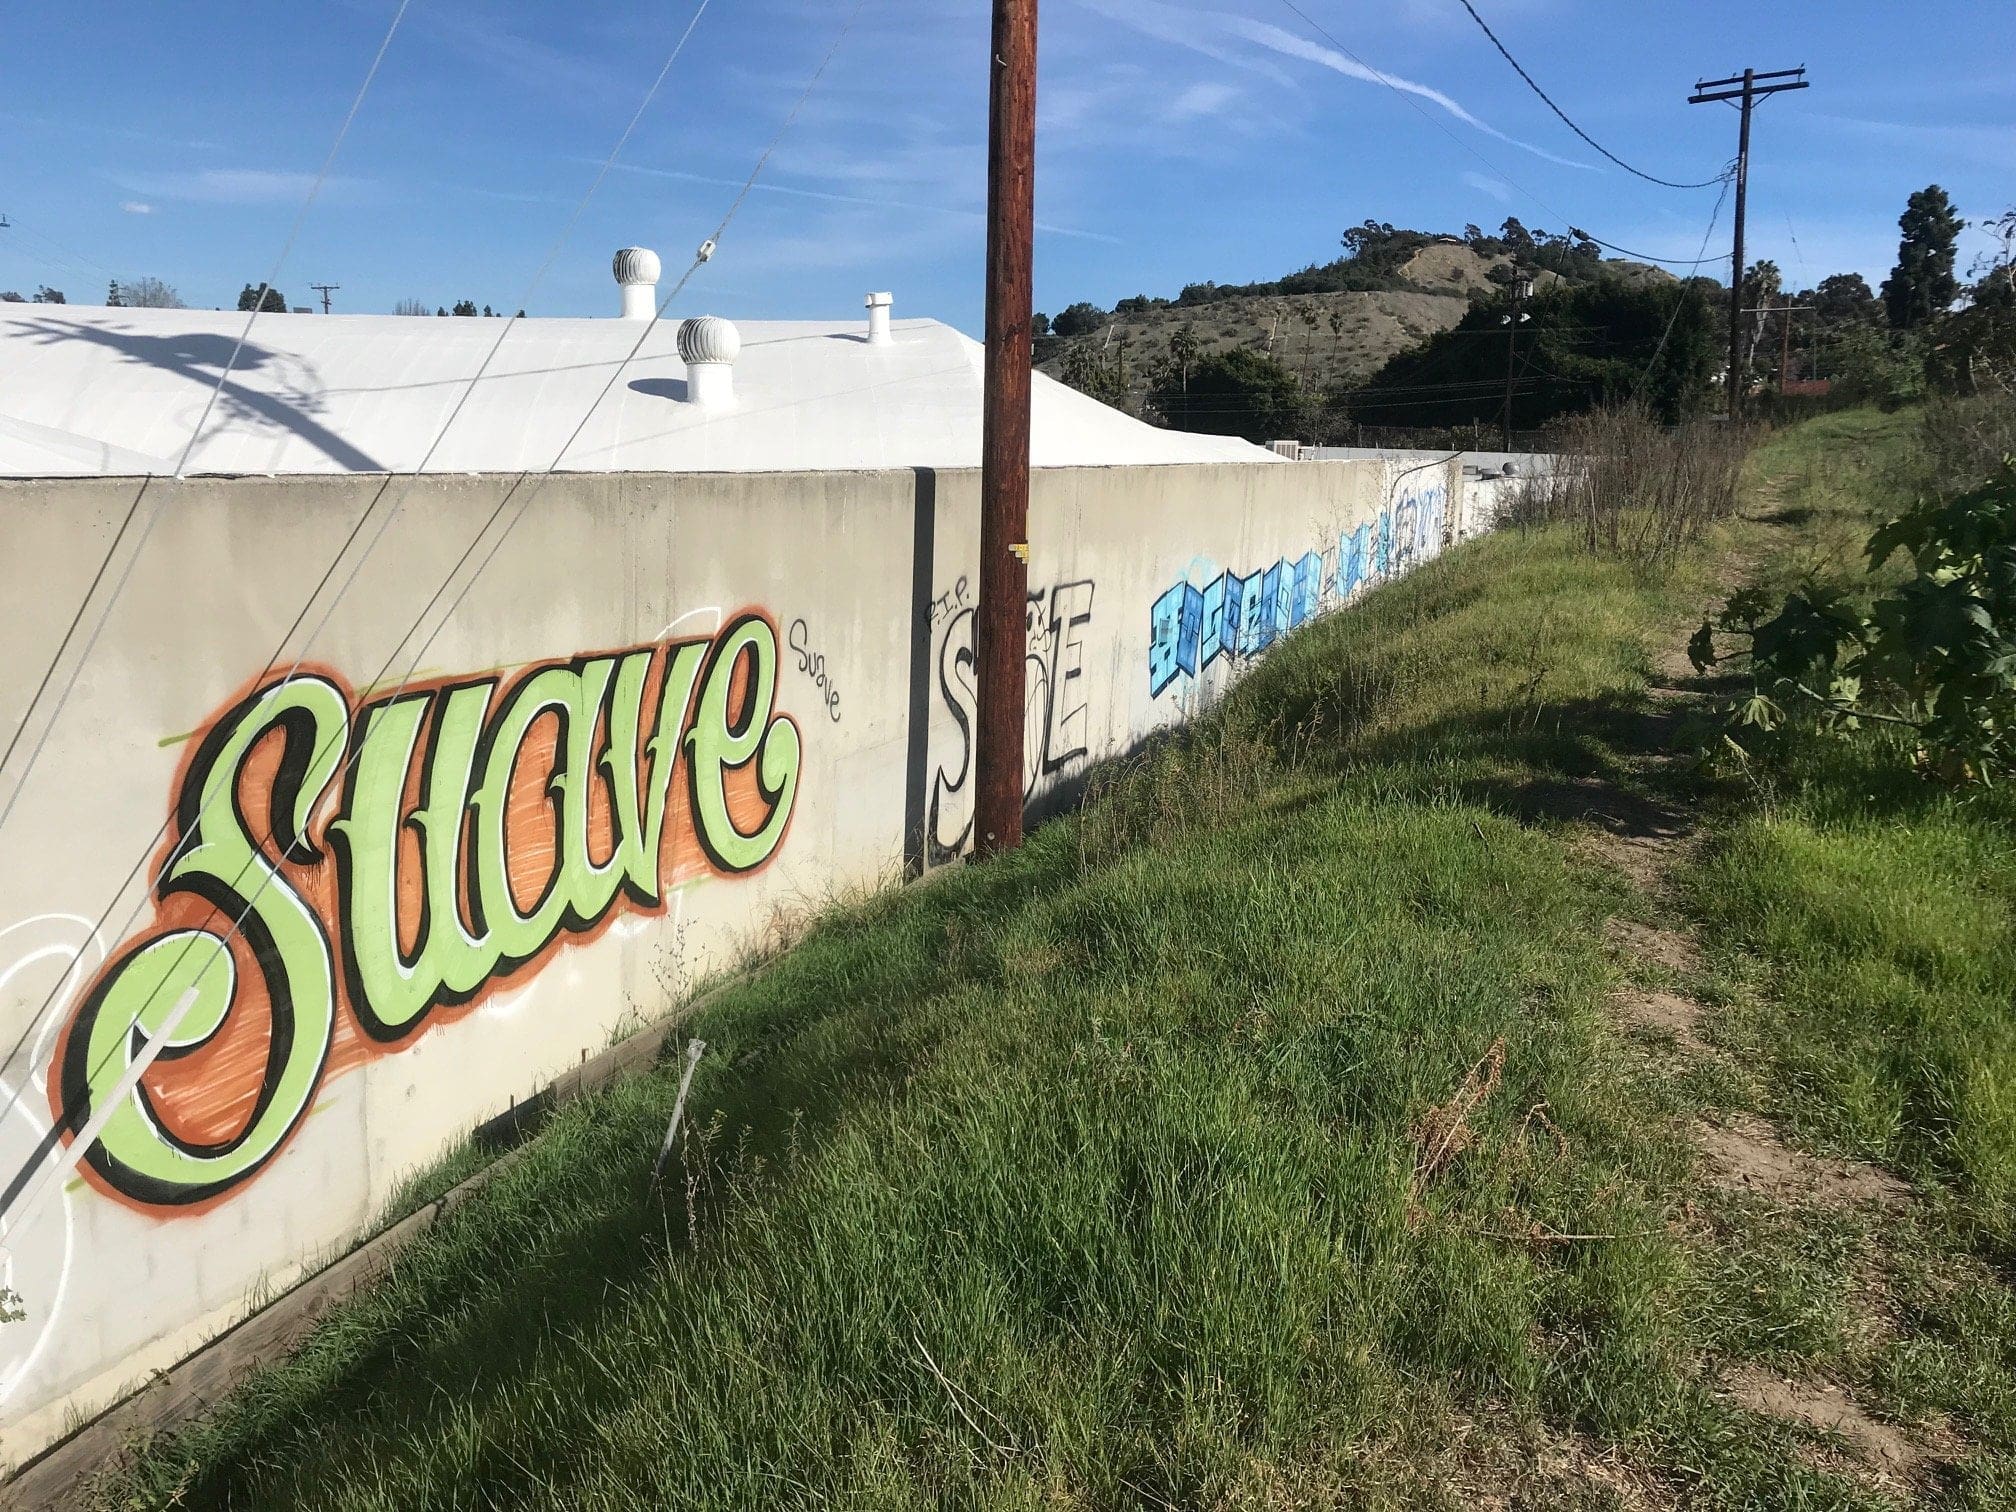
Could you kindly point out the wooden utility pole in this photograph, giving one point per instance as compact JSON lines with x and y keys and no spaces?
{"x":325,"y":290}
{"x":1750,"y":87}
{"x":1522,"y":285}
{"x":1001,"y":634}
{"x":1785,"y":312}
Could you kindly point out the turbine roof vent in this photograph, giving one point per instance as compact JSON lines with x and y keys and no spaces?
{"x":708,"y":338}
{"x":635,"y":265}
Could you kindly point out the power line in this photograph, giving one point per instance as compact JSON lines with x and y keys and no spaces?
{"x":293,"y":235}
{"x":1461,"y":391}
{"x":384,"y":521}
{"x":1418,"y":108}
{"x":63,"y":645}
{"x":1650,"y":178}
{"x":154,"y":513}
{"x":1677,"y":262}
{"x":1749,"y":87}
{"x":1680,"y":304}
{"x":70,"y":255}
{"x":152,"y":1049}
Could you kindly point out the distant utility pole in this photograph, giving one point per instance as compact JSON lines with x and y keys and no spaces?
{"x":1001,"y":634}
{"x":1750,"y":87}
{"x":1788,"y":310}
{"x":325,"y":290}
{"x":1522,"y":288}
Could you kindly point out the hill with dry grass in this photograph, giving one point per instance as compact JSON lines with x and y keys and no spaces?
{"x":1328,"y":338}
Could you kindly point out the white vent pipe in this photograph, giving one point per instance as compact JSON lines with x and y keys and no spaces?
{"x":878,"y":318}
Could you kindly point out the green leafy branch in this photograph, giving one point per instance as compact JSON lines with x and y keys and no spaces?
{"x":1935,"y":654}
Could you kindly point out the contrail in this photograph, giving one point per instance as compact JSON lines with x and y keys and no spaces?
{"x":1185,"y":28}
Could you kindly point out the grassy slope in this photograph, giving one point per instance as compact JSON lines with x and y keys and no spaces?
{"x":1083,"y":1179}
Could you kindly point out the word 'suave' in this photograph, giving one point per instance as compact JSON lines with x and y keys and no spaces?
{"x":479,"y":824}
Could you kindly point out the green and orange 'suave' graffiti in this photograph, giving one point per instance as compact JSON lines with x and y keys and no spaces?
{"x":389,"y":860}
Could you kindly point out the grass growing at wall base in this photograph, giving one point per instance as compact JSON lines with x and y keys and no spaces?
{"x":1088,"y":1177}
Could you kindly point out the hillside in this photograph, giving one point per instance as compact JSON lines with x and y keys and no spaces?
{"x":1325,"y":337}
{"x":1374,"y":327}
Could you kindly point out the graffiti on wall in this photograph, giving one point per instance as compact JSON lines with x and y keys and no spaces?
{"x":1056,"y":730}
{"x":813,"y":664}
{"x":1233,"y":616}
{"x":342,"y":870}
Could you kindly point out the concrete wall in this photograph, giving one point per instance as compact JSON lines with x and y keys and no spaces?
{"x":800,"y":645}
{"x":1491,"y":479}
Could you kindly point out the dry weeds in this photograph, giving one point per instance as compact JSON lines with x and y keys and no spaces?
{"x":1443,"y":1133}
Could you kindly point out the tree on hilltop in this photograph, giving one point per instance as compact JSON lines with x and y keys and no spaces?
{"x":149,"y":294}
{"x":1080,"y":319}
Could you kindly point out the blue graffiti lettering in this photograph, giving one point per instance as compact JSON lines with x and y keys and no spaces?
{"x":1234,"y":616}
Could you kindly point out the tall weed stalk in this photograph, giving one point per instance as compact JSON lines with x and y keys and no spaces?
{"x":1633,"y":487}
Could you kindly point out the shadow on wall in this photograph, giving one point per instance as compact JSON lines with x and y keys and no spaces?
{"x":201,"y":356}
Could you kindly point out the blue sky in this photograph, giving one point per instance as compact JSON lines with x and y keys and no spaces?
{"x":1179,"y":141}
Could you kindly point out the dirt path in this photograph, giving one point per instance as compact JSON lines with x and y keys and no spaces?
{"x":1645,"y":837}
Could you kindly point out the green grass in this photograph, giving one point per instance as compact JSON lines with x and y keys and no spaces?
{"x":1085,"y":1178}
{"x":1868,"y":919}
{"x":1881,"y":906}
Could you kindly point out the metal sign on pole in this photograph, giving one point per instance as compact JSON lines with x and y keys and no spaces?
{"x":1000,"y":631}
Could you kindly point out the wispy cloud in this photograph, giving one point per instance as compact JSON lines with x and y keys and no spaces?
{"x":136,"y":207}
{"x":1993,"y":146}
{"x":832,"y":197}
{"x":1202,"y":32}
{"x":237,"y":186}
{"x":1218,"y":35}
{"x":98,"y":128}
{"x":1496,"y":188}
{"x":1289,"y":44}
{"x":1201,"y":101}
{"x":1111,"y":107}
{"x":476,"y":37}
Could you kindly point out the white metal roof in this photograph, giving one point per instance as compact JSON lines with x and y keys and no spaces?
{"x":88,"y":391}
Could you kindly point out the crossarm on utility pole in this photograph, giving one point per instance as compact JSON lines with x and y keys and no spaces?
{"x":1751,"y":87}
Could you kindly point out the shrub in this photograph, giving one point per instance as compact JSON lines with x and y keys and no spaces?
{"x":1935,"y":655}
{"x":1236,"y":393}
{"x":1961,"y":442}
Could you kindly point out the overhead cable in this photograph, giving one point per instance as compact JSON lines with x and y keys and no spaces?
{"x":1674,"y":262}
{"x":20,"y":1183}
{"x":1680,"y":304}
{"x":350,"y":539}
{"x":154,"y":512}
{"x":1650,"y":178}
{"x":1422,"y":110}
